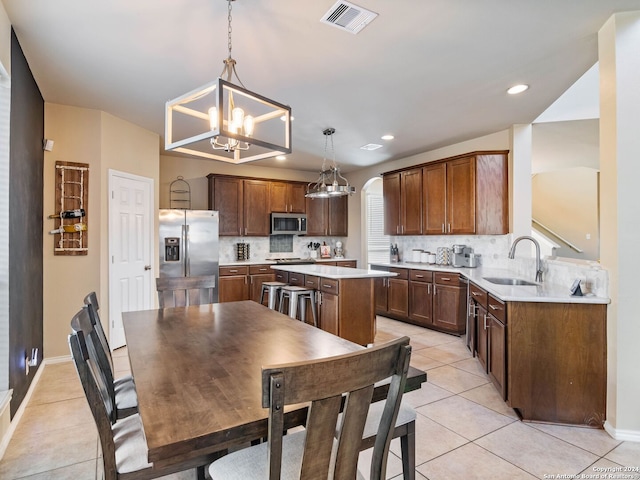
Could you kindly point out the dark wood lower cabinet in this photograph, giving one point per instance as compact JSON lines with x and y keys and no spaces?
{"x":421,"y":303}
{"x":449,"y":307}
{"x":233,"y":288}
{"x":243,"y":282}
{"x":329,"y":313}
{"x":482,"y":340}
{"x":430,"y":299}
{"x":557,"y":362}
{"x":497,"y":352}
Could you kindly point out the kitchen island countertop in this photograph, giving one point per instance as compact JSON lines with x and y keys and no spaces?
{"x":270,"y":261}
{"x":336,"y":273}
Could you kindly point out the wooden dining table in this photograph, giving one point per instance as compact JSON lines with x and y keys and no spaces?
{"x":197,"y":372}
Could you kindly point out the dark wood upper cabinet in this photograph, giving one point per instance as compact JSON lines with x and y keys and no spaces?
{"x":328,"y":216}
{"x":403,"y":203}
{"x":287,"y":197}
{"x":256,"y":208}
{"x":467,"y":194}
{"x":226,"y":196}
{"x":434,"y":178}
{"x":391,"y":189}
{"x":461,"y":196}
{"x":245,"y":203}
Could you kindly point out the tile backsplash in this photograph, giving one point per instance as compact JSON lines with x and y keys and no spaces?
{"x":275,"y":246}
{"x":494,"y":250}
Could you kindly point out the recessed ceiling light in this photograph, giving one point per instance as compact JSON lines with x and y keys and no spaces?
{"x":387,"y":137}
{"x":281,"y":157}
{"x":517,"y":89}
{"x":371,"y":146}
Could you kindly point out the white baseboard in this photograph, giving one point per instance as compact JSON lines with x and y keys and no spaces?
{"x":6,"y":436}
{"x":622,"y":435}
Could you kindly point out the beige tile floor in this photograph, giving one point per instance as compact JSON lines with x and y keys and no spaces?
{"x":464,"y":430}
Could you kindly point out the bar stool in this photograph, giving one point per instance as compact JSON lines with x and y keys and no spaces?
{"x":297,"y":297}
{"x":272,"y":289}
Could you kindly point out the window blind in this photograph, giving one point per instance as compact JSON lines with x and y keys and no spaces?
{"x":377,"y":241}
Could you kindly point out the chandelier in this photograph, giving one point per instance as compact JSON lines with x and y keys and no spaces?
{"x":330,"y":183}
{"x":225,"y":121}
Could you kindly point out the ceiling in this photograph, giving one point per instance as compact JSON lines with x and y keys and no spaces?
{"x":432,"y":72}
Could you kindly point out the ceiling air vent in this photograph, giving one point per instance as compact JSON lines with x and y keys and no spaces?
{"x":349,"y":17}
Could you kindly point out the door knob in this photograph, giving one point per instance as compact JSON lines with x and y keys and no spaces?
{"x":147,"y":267}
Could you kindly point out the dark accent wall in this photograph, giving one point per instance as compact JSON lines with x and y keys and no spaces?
{"x":26,"y":159}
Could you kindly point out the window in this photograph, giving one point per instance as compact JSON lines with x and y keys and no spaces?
{"x":377,"y":241}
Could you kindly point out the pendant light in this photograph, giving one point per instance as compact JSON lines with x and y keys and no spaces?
{"x":330,"y":183}
{"x":225,"y":121}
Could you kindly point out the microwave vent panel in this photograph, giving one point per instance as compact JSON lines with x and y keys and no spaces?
{"x":349,"y":17}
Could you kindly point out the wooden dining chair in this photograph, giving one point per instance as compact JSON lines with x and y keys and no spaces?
{"x":185,"y":291}
{"x":124,"y":387}
{"x":124,"y":447}
{"x":315,"y":452}
{"x":122,"y":394}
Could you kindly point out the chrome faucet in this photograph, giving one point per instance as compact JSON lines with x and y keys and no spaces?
{"x":512,"y":253}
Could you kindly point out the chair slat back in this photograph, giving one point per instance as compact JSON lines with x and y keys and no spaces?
{"x":81,"y":322}
{"x":185,"y":291}
{"x":92,"y":300}
{"x":98,"y":401}
{"x":323,"y":383}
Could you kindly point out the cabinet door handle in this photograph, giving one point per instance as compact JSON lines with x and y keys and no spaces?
{"x":493,"y":307}
{"x":326,"y":286}
{"x":485,"y":321}
{"x":434,"y":290}
{"x":443,"y":228}
{"x":419,"y":276}
{"x":476,"y":294}
{"x":428,"y":289}
{"x":319,"y":297}
{"x":233,"y":271}
{"x":445,"y":279}
{"x":449,"y":227}
{"x":472,"y":310}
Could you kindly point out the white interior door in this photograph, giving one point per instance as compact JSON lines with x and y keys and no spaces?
{"x":130,"y":249}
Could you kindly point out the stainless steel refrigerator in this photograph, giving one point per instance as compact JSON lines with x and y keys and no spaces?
{"x":189,"y":243}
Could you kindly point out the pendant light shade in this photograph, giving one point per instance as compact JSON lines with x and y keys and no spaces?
{"x":330,"y":183}
{"x":224,"y":121}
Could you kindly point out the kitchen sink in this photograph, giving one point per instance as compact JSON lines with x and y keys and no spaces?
{"x":509,"y":281}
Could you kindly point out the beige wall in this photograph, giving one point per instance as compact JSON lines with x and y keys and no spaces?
{"x":195,"y":171}
{"x":104,"y":142}
{"x":618,"y":42}
{"x":566,"y":201}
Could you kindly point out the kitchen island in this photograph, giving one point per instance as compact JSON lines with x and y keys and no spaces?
{"x":344,"y":296}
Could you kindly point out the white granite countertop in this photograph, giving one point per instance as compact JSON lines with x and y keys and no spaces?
{"x":544,"y":292}
{"x":335,"y":273}
{"x":268,"y":261}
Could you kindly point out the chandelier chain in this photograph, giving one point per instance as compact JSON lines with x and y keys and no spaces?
{"x":229,"y":27}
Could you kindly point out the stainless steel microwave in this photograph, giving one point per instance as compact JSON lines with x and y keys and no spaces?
{"x":288,"y":224}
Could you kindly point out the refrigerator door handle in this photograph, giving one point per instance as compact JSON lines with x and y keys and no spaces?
{"x":185,"y":243}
